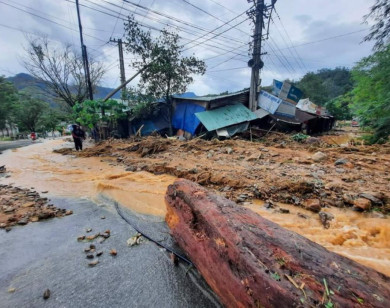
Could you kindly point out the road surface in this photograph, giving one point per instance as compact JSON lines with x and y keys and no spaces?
{"x":46,"y":255}
{"x":5,"y":145}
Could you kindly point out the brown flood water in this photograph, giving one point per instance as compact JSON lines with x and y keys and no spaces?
{"x":361,"y":237}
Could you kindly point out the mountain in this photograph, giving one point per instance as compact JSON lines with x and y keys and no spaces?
{"x":27,"y":82}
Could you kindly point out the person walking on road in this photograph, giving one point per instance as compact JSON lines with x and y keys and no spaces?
{"x":78,"y":136}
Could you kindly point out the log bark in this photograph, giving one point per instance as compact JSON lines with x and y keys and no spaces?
{"x":251,"y":262}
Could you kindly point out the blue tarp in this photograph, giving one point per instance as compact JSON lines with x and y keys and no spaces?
{"x":184,"y":117}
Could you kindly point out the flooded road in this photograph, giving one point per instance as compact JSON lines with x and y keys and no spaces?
{"x":362,"y":237}
{"x":68,"y":176}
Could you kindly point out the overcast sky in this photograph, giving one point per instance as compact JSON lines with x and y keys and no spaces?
{"x":305,"y":35}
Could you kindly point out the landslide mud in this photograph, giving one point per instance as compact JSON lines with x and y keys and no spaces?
{"x":136,"y":173}
{"x":277,"y":169}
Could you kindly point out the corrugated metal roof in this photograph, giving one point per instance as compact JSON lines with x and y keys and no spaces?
{"x":225,"y":116}
{"x":211,"y":98}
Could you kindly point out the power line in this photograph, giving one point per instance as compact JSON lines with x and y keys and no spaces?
{"x":207,"y":13}
{"x":49,"y":20}
{"x":151,"y":27}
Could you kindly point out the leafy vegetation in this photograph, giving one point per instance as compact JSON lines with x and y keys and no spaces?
{"x":167,"y":72}
{"x":299,"y":137}
{"x":380,"y":31}
{"x":90,"y":113}
{"x":340,"y":108}
{"x":8,"y":98}
{"x":372,"y":93}
{"x":326,"y":84}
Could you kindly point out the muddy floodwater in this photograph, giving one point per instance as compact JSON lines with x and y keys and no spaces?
{"x":364,"y":238}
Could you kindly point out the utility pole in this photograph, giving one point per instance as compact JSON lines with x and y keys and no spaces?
{"x":121,"y":64}
{"x":84,"y":55}
{"x":260,"y":13}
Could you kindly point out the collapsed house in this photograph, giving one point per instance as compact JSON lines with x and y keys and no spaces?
{"x":227,"y":115}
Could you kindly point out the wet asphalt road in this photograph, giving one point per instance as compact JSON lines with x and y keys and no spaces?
{"x":5,"y":145}
{"x":46,"y":255}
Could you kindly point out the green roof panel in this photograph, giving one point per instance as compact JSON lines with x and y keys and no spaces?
{"x":225,"y":116}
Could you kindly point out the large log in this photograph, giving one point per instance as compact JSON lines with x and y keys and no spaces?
{"x":252,"y":262}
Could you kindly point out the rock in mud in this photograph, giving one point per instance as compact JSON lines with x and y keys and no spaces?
{"x":319,"y":156}
{"x":313,"y":205}
{"x":325,"y":219}
{"x":46,"y":294}
{"x":229,"y":150}
{"x":371,"y":198}
{"x":99,"y":253}
{"x":341,"y":161}
{"x":23,"y":221}
{"x":362,"y":204}
{"x":90,"y":256}
{"x":113,"y":252}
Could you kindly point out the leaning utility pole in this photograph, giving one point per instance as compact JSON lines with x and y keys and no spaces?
{"x":259,"y":14}
{"x":84,"y":55}
{"x":121,"y":64}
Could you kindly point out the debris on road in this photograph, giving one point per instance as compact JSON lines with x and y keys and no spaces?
{"x":134,"y":240}
{"x":46,"y":294}
{"x":93,"y":263}
{"x":20,"y":206}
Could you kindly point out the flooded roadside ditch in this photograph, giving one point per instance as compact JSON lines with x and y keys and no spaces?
{"x":364,"y":237}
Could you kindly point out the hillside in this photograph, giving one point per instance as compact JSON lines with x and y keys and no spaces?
{"x":27,"y":82}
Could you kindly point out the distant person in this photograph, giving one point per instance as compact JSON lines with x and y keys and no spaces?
{"x":33,"y":136}
{"x":78,"y":136}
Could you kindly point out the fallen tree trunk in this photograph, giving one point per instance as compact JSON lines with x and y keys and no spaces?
{"x":252,"y":262}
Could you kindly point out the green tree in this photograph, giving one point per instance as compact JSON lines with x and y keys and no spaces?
{"x":50,"y":120}
{"x":8,"y":99}
{"x":89,"y":112}
{"x":326,"y":84}
{"x":380,"y":31}
{"x":29,"y":111}
{"x":339,"y":107}
{"x":168,"y":71}
{"x":372,"y":92}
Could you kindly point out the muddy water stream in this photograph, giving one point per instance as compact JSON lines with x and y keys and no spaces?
{"x":362,"y":237}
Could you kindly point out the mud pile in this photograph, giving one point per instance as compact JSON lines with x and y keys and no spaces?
{"x":313,"y":174}
{"x":20,"y":206}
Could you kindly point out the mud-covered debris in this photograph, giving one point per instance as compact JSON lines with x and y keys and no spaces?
{"x":46,"y":294}
{"x":11,"y":290}
{"x":341,"y":161}
{"x":303,"y":216}
{"x":371,"y":198}
{"x":81,"y":238}
{"x":319,"y":156}
{"x":93,"y":263}
{"x":113,"y":252}
{"x":284,"y":211}
{"x":90,"y":256}
{"x":362,"y":204}
{"x":87,"y":249}
{"x":103,"y":217}
{"x":3,"y":169}
{"x":134,"y":240}
{"x":88,"y":230}
{"x":325,"y":219}
{"x":92,"y":246}
{"x":68,"y":212}
{"x":92,"y":237}
{"x":99,"y":253}
{"x":174,"y":259}
{"x":313,"y":205}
